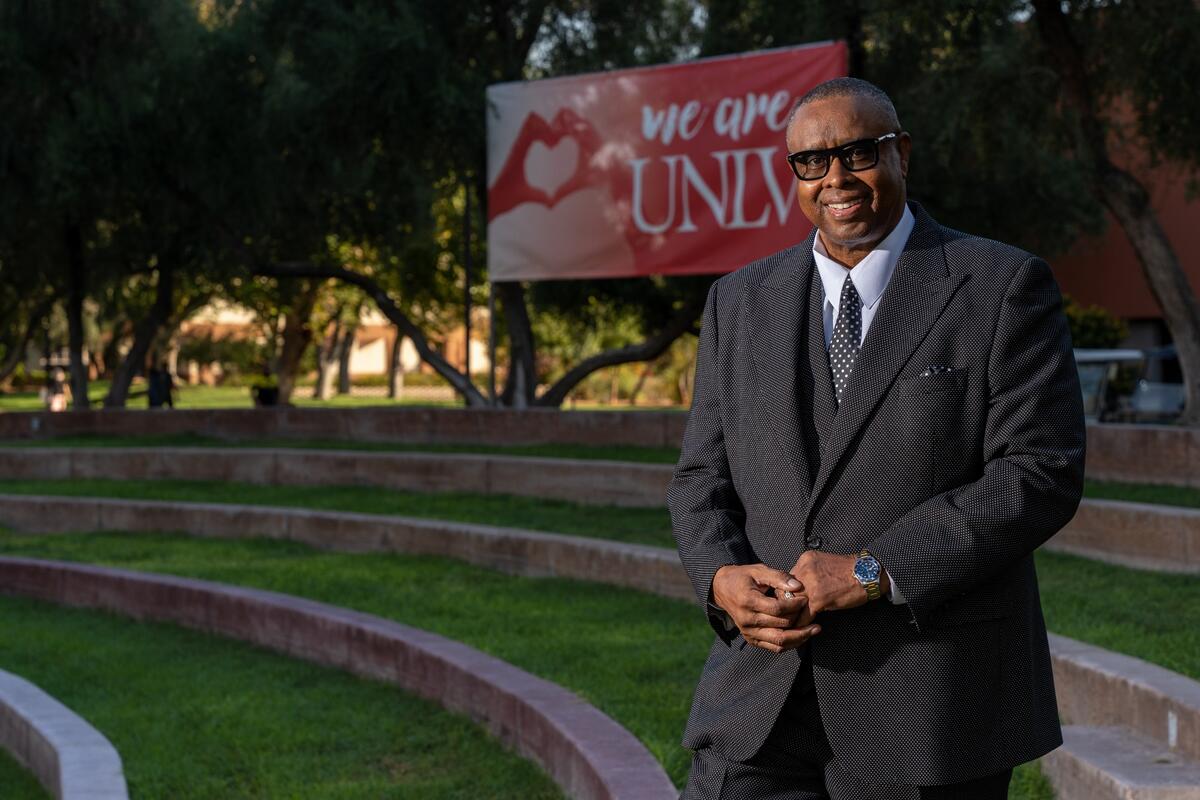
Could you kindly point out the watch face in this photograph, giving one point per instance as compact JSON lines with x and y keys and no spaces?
{"x":866,"y":570}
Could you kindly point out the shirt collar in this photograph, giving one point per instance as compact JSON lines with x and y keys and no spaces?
{"x":871,"y":275}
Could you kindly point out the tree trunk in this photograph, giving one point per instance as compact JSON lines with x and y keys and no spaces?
{"x":1128,"y":202}
{"x":641,"y":382}
{"x":521,"y":383}
{"x":111,"y":351}
{"x":76,"y":290}
{"x":143,"y":337}
{"x":388,"y":307}
{"x":855,"y":47}
{"x":395,"y":369}
{"x":17,"y":350}
{"x":345,"y":350}
{"x":1125,"y":197}
{"x":646,"y":350}
{"x":326,"y":356}
{"x":297,"y":335}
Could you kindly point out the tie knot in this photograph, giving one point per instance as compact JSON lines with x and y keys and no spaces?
{"x":849,"y":292}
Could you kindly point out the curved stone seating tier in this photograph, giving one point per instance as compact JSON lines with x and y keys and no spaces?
{"x":517,"y":552}
{"x":1142,"y":741}
{"x":584,"y":751}
{"x":1133,"y":729}
{"x":69,"y":757}
{"x":411,"y":425}
{"x":1163,"y":538}
{"x":1144,"y":454}
{"x":580,"y":480}
{"x":1131,"y":534}
{"x":1135,"y":453}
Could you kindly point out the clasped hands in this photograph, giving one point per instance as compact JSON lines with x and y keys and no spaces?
{"x":754,"y":597}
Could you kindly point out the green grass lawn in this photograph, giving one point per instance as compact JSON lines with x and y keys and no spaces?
{"x":18,"y":783}
{"x":239,"y":397}
{"x":1150,"y":615}
{"x":634,"y":655}
{"x":213,"y":397}
{"x":640,"y":525}
{"x":1143,"y":493}
{"x":196,"y":716}
{"x":1144,"y":614}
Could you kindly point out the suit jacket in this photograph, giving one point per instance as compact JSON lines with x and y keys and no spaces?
{"x":951,"y":480}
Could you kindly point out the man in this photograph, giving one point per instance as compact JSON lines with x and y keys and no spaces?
{"x":886,"y":423}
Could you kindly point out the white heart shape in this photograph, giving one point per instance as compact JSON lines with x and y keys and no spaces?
{"x":548,"y":168}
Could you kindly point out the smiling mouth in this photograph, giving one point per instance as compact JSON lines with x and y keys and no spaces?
{"x":843,"y":210}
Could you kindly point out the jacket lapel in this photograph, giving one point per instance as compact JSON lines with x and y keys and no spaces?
{"x":824,"y":403}
{"x":779,"y":307}
{"x":912,"y":302}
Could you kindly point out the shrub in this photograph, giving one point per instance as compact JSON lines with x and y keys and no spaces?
{"x":1093,"y":326}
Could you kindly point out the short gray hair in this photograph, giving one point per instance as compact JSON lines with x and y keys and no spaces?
{"x":849,"y":87}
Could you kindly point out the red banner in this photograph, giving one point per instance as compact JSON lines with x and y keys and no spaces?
{"x":674,"y":169}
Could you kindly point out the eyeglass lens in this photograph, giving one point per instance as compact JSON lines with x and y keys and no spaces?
{"x":854,"y":157}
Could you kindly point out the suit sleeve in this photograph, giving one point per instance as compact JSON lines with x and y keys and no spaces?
{"x":1033,"y":453}
{"x":707,"y":516}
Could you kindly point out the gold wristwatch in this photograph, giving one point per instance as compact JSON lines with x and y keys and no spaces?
{"x":866,"y":572}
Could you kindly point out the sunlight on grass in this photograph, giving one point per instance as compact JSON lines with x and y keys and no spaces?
{"x":197,"y":716}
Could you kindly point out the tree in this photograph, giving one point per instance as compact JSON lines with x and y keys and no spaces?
{"x":1108,"y":53}
{"x":74,"y":92}
{"x":84,"y":130}
{"x":353,"y":113}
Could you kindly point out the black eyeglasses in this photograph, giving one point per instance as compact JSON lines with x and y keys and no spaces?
{"x":809,"y":165}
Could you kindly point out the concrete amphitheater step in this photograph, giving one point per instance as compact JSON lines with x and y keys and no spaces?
{"x":1167,"y":454}
{"x":511,"y":550}
{"x":70,"y":758}
{"x":584,"y":751}
{"x":1140,"y":535}
{"x":1114,"y":763}
{"x":589,"y":481}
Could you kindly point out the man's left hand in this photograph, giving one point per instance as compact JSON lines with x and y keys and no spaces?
{"x":829,"y":581}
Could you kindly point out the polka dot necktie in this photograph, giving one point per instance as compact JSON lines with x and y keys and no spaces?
{"x":847,"y":335}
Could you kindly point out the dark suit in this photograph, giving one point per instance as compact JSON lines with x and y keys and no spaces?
{"x":951,"y":480}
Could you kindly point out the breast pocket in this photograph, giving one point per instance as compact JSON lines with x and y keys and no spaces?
{"x":953,"y":382}
{"x":931,"y":409}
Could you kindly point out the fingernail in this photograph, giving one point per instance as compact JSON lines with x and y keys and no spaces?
{"x":793,"y":583}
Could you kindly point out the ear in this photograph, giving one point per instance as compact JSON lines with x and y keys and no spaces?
{"x":904,"y":148}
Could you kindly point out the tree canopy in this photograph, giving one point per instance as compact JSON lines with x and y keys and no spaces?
{"x":159,"y":153}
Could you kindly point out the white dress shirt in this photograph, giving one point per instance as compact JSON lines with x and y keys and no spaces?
{"x":870,"y":276}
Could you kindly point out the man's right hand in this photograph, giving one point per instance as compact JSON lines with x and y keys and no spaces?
{"x":774,"y":623}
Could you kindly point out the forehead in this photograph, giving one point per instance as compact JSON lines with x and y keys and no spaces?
{"x":833,"y":121}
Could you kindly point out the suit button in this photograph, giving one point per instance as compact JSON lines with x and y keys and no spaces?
{"x":817,"y":543}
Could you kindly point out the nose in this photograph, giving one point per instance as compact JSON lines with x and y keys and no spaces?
{"x":838,"y":175}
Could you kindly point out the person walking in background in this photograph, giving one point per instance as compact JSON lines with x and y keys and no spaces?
{"x":886,"y":422}
{"x":56,"y":394}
